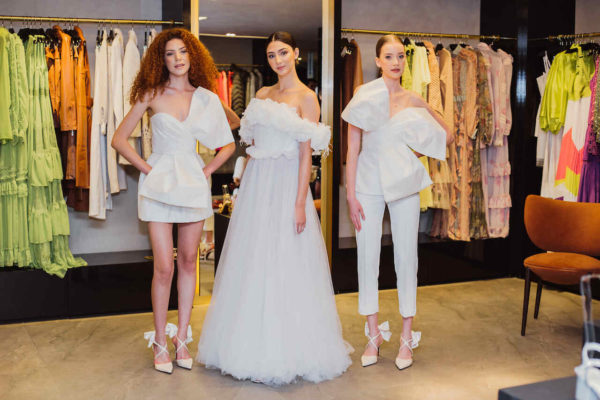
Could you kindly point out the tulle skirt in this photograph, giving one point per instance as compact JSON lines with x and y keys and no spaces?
{"x":272,"y":316}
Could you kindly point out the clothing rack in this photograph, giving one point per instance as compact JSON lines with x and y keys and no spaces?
{"x":232,"y":36}
{"x":569,"y":36}
{"x":427,"y":34}
{"x":90,"y":20}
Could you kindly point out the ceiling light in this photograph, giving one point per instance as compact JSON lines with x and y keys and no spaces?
{"x":202,"y":18}
{"x":230,"y":34}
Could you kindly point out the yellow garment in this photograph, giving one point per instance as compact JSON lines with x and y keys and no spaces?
{"x":421,"y":76}
{"x":406,"y":74}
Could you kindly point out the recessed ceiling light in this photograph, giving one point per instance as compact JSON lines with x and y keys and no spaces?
{"x":230,"y":34}
{"x":202,"y":18}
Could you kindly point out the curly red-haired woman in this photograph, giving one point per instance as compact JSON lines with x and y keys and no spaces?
{"x":175,"y":82}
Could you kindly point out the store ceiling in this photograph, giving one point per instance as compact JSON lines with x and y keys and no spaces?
{"x":262,"y":17}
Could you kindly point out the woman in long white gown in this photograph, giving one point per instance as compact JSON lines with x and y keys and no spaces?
{"x":273,"y":317}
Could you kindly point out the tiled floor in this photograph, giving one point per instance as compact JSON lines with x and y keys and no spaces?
{"x":471,"y":347}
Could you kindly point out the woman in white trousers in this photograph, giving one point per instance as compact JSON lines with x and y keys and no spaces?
{"x":396,"y":127}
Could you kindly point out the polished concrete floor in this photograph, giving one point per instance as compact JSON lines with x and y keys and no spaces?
{"x":471,"y":347}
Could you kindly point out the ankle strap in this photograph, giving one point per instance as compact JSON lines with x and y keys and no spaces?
{"x":188,"y":339}
{"x":384,"y":332}
{"x":413,"y":343}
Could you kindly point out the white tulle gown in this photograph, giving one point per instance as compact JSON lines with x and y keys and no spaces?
{"x":272,"y":316}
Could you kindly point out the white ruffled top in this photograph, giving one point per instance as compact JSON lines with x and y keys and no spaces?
{"x":274,"y":129}
{"x":176,"y":177}
{"x":387,"y":165}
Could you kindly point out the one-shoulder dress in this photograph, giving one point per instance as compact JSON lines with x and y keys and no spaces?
{"x":176,"y":189}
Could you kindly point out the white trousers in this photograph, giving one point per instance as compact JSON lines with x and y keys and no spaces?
{"x":404,"y":215}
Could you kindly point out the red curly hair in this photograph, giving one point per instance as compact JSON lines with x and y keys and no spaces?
{"x":154,"y":75}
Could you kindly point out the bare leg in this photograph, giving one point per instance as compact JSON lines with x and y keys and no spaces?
{"x":161,"y":237}
{"x":406,"y":334}
{"x":373,"y":331}
{"x":189,"y":235}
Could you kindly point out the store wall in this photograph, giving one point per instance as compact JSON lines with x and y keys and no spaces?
{"x":587,"y":16}
{"x":440,"y":16}
{"x":121,"y":230}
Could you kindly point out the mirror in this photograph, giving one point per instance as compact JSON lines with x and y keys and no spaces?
{"x":235,"y":32}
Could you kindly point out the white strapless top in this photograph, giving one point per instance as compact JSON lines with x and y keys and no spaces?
{"x":276,"y":129}
{"x":387,"y":165}
{"x":176,"y":177}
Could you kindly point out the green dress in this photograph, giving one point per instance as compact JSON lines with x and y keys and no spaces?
{"x":14,"y":241}
{"x":48,"y":221}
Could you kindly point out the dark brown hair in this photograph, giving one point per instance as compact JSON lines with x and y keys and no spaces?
{"x":385,"y":39}
{"x":154,"y":75}
{"x":282,"y":36}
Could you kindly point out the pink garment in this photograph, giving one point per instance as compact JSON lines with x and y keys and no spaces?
{"x":496,"y":155}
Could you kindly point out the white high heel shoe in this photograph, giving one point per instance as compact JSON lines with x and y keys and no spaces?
{"x":384,"y":332}
{"x":151,"y":338}
{"x":185,"y":362}
{"x":403,"y":363}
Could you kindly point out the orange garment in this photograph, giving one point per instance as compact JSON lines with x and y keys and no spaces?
{"x":68,"y":109}
{"x":84,"y":114}
{"x":53,"y":63}
{"x":461,"y":150}
{"x":440,"y":174}
{"x":439,"y":226}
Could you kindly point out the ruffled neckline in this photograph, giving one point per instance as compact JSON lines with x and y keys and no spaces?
{"x":260,"y":112}
{"x":285,"y":106}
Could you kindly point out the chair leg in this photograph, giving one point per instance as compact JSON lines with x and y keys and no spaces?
{"x":538,"y":298}
{"x":526,"y":300}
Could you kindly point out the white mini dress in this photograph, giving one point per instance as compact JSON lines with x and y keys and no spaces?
{"x":176,"y":189}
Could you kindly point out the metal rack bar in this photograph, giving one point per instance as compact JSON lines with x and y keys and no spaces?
{"x":232,"y":36}
{"x":427,"y":34}
{"x":239,"y":65}
{"x":569,"y":36}
{"x":90,"y":20}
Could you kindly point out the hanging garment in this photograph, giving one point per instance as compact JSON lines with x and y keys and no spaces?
{"x":98,"y":170}
{"x":259,"y":80}
{"x":438,"y":169}
{"x":485,"y":128}
{"x":548,"y":148}
{"x":589,"y":186}
{"x":238,"y":94}
{"x":14,"y":237}
{"x":440,"y":220}
{"x":570,"y":161}
{"x":146,"y":127}
{"x":131,"y":66}
{"x":48,"y":221}
{"x":498,"y":165}
{"x":53,"y":62}
{"x":352,"y":78}
{"x":67,"y":110}
{"x":230,"y":87}
{"x":461,"y":150}
{"x":222,"y":90}
{"x":250,"y":83}
{"x":6,"y":130}
{"x":116,"y":173}
{"x":78,"y":197}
